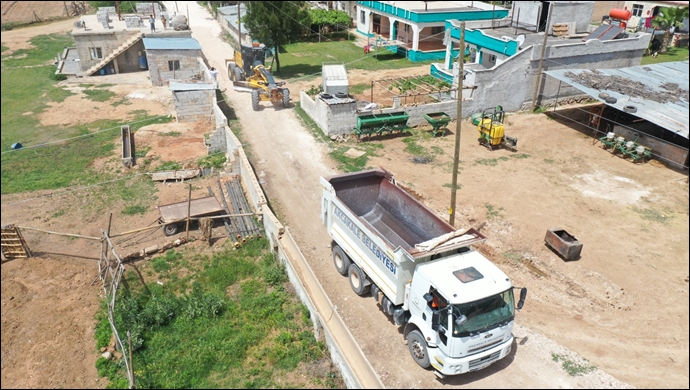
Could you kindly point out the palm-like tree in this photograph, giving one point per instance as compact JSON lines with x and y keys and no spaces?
{"x":667,"y":18}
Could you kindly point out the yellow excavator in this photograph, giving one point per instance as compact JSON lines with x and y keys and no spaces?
{"x":491,"y":129}
{"x":248,"y":73}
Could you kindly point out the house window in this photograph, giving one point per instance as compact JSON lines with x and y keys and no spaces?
{"x":362,"y":17}
{"x":437,"y":30}
{"x":96,"y":53}
{"x":637,"y":9}
{"x":174,"y":65}
{"x":407,"y":28}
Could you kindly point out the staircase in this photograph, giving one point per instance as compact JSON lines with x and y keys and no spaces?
{"x":120,"y":49}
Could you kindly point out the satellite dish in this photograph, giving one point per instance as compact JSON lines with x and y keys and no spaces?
{"x":520,"y":39}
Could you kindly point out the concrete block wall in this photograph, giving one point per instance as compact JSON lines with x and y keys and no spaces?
{"x":133,"y":55}
{"x":194,"y":105}
{"x":159,"y":68}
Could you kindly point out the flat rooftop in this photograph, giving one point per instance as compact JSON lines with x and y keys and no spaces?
{"x":441,"y":6}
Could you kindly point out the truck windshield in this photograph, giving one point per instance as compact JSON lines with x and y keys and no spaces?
{"x":484,"y":314}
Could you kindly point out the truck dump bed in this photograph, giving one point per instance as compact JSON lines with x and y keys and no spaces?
{"x":397,"y":217}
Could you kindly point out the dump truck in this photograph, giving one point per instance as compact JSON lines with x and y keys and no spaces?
{"x":456,"y":306}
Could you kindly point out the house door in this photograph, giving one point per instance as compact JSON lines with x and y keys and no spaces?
{"x":543,"y":17}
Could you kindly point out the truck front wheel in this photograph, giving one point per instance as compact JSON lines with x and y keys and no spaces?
{"x":341,"y":261}
{"x":417,"y":347}
{"x":357,"y":280}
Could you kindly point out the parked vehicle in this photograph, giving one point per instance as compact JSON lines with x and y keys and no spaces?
{"x":456,"y":306}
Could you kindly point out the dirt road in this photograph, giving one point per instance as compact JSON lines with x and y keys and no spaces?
{"x":289,"y":162}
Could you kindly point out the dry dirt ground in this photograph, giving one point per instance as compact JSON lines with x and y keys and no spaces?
{"x":31,"y":11}
{"x":623,"y":306}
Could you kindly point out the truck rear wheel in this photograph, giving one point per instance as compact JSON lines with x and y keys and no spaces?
{"x":357,"y":280}
{"x":417,"y":347}
{"x":341,"y":260}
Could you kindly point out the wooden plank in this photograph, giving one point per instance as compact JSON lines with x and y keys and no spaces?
{"x":198,"y":207}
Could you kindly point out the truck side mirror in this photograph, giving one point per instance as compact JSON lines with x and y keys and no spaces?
{"x":461,"y":320}
{"x":523,"y":295}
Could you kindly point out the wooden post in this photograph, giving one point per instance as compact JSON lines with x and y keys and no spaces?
{"x":541,"y":60}
{"x":456,"y":157}
{"x":131,"y":362}
{"x":189,"y":202}
{"x":153,"y":10}
{"x":239,"y":27}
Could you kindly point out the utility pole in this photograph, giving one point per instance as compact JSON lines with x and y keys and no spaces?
{"x":541,"y":60}
{"x":456,"y":156}
{"x":239,"y":28}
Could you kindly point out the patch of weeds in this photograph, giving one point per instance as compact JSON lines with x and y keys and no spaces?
{"x":522,"y":155}
{"x":212,"y":161}
{"x":653,"y":215}
{"x":348,"y":164}
{"x":121,"y":102}
{"x":513,"y":256}
{"x":135,"y":209}
{"x":490,"y":162}
{"x":99,"y":95}
{"x":104,"y":85}
{"x":414,"y":148}
{"x":358,"y":88}
{"x":169,"y":166}
{"x":59,"y":213}
{"x":436,"y":150}
{"x":491,"y":212}
{"x":86,"y":85}
{"x":450,"y":185}
{"x":141,"y":152}
{"x":310,"y":125}
{"x":571,"y":367}
{"x":171,"y":134}
{"x":549,"y":161}
{"x":540,"y":110}
{"x":160,"y":264}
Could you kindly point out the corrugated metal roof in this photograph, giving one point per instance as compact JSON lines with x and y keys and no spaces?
{"x":661,"y":103}
{"x":171,"y":44}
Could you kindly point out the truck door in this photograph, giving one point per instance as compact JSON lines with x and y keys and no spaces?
{"x":438,"y":320}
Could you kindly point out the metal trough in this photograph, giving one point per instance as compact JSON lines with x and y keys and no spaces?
{"x":438,"y":122}
{"x":381,"y":123}
{"x":127,"y":147}
{"x":565,"y":244}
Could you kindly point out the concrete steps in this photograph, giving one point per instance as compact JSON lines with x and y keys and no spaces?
{"x":120,"y":49}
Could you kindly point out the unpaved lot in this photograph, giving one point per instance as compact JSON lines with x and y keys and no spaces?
{"x":623,"y":305}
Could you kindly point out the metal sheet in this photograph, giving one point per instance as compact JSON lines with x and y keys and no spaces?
{"x":672,"y":115}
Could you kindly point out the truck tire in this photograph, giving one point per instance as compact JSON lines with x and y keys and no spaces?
{"x":341,"y":260}
{"x":255,"y":100}
{"x":286,"y":97}
{"x":357,"y":279}
{"x":170,"y":230}
{"x":417,"y":346}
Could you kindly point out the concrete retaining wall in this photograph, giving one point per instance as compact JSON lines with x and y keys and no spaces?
{"x":346,"y":354}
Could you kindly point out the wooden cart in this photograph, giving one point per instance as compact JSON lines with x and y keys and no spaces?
{"x":174,"y":215}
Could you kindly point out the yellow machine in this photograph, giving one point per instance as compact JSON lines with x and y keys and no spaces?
{"x":248,"y":73}
{"x":491,"y":129}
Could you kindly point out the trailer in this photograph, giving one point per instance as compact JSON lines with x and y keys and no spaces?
{"x":456,"y":306}
{"x":173,"y":216}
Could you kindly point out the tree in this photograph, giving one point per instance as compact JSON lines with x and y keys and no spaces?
{"x":329,"y":20}
{"x":275,"y":23}
{"x":666,"y":19}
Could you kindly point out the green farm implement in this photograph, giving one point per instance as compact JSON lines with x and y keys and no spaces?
{"x":381,"y":124}
{"x":438,"y":122}
{"x":625,"y":148}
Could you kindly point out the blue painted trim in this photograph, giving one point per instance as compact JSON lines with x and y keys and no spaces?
{"x":440,"y":74}
{"x":430,"y":17}
{"x":483,"y":41}
{"x":418,"y":56}
{"x":365,"y":34}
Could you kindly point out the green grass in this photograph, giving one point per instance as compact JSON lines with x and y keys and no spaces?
{"x":450,"y":185}
{"x":234,"y":326}
{"x":673,"y":54}
{"x":306,"y":58}
{"x":98,"y":95}
{"x":654,"y":215}
{"x":358,"y":88}
{"x":212,"y":161}
{"x":349,"y":164}
{"x":171,"y":134}
{"x":571,"y":367}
